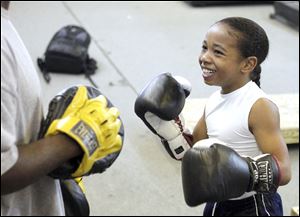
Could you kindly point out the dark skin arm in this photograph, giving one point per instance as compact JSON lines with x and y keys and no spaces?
{"x":264,"y":123}
{"x":199,"y":131}
{"x":38,"y":159}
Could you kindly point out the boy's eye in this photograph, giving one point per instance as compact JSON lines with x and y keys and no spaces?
{"x":204,"y":47}
{"x":219,"y":52}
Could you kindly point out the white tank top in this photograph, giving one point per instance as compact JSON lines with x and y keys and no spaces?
{"x":21,"y":114}
{"x":227,"y":115}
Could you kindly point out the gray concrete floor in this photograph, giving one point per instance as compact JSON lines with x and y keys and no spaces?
{"x":132,"y":42}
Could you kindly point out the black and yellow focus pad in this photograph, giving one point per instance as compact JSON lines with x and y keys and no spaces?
{"x":85,"y":115}
{"x":75,"y":201}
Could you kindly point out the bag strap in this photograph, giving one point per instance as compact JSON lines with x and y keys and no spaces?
{"x":41,"y":65}
{"x":91,"y":66}
{"x":90,"y":70}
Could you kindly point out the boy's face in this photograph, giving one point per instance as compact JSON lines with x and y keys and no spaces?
{"x":220,"y":58}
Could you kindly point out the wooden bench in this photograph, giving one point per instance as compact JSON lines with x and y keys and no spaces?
{"x":288,"y":105}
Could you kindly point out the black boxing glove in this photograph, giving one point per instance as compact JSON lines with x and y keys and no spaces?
{"x":213,"y":172}
{"x":159,"y":106}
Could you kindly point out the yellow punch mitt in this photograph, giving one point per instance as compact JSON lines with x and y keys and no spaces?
{"x":89,"y":118}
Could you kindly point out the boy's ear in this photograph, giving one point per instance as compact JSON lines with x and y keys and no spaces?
{"x":249,"y":64}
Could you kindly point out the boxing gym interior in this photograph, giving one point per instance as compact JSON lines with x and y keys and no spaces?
{"x":131,"y":43}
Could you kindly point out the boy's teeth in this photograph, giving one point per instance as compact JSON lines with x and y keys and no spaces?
{"x":207,"y":72}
